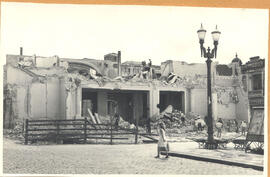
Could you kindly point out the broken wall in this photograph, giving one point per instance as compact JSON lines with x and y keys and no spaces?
{"x":226,"y":103}
{"x":62,"y":98}
{"x":226,"y":111}
{"x":223,"y":81}
{"x":242,"y":107}
{"x":38,"y":102}
{"x":154,"y":101}
{"x":181,"y":68}
{"x":12,"y":59}
{"x":17,"y":76}
{"x":16,"y":106}
{"x":44,"y":99}
{"x":53,"y":101}
{"x":35,"y":98}
{"x":198,"y":101}
{"x":71,"y":107}
{"x":46,"y":61}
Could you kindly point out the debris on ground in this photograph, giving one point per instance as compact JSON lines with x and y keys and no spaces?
{"x":16,"y":133}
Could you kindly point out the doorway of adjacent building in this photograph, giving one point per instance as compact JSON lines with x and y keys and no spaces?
{"x":174,"y":98}
{"x":89,"y":101}
{"x":132,"y":105}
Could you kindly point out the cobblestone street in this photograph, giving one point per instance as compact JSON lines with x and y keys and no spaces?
{"x":104,"y":159}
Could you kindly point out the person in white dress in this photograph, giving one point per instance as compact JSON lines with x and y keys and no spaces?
{"x":243,"y":127}
{"x":162,"y":142}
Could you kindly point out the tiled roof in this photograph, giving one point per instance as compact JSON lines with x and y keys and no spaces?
{"x":223,"y":70}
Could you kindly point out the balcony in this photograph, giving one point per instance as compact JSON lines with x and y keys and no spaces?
{"x":255,"y":94}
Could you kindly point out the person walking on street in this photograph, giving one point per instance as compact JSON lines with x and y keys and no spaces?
{"x":219,"y":126}
{"x":162,"y":142}
{"x":236,"y":126}
{"x":243,"y":127}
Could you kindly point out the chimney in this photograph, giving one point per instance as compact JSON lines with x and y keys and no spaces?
{"x":21,"y":51}
{"x":119,"y":63}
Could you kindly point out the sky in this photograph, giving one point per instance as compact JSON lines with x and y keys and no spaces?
{"x":159,"y":33}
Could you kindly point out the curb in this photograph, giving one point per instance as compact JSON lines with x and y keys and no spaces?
{"x":215,"y":160}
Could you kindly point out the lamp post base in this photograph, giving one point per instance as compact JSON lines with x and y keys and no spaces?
{"x":210,"y":145}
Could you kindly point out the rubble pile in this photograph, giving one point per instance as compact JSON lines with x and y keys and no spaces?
{"x":16,"y":132}
{"x":171,"y":117}
{"x":114,"y":120}
{"x":177,"y":121}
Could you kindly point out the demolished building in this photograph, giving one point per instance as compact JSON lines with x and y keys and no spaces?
{"x":59,"y":88}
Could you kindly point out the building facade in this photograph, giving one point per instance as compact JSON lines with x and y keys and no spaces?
{"x":58,"y":88}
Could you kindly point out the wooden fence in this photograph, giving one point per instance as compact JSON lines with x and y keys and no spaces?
{"x":77,"y":129}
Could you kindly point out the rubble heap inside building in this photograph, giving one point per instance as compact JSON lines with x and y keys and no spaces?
{"x":60,"y":88}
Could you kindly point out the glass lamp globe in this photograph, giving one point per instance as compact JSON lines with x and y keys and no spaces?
{"x":201,"y":33}
{"x":216,"y":35}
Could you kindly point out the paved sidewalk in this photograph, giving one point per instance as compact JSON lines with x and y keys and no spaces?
{"x":228,"y":156}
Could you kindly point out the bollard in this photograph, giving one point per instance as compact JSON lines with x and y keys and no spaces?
{"x":85,"y":128}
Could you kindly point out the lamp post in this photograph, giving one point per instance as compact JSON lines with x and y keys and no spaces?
{"x":209,"y":54}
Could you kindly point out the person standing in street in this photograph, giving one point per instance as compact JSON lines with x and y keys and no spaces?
{"x":236,"y":126}
{"x":162,"y":142}
{"x":219,"y":126}
{"x":243,"y":127}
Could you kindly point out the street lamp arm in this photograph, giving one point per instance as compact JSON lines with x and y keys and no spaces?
{"x":213,"y":52}
{"x":203,"y":51}
{"x":215,"y":48}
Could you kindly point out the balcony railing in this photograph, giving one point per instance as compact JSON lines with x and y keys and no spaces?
{"x":255,"y":94}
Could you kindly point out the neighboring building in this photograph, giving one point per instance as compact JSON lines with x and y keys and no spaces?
{"x":58,"y":88}
{"x":253,"y":80}
{"x":130,"y":68}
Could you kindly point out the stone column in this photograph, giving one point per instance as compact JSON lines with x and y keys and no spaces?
{"x":78,"y":102}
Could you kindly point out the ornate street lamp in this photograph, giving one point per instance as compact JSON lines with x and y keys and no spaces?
{"x":209,"y":54}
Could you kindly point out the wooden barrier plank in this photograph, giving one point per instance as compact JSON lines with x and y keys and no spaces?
{"x":41,"y":129}
{"x":54,"y":120}
{"x":128,"y":133}
{"x":45,"y":124}
{"x":83,"y":134}
{"x":90,"y":137}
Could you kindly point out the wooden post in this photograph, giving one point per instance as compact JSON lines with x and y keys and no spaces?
{"x":111,"y":131}
{"x":85,"y":128}
{"x":57,"y":131}
{"x":136,"y":130}
{"x":136,"y":135}
{"x":26,"y":132}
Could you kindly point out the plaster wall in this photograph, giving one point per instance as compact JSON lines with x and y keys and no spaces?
{"x":199,"y":101}
{"x":21,"y":103}
{"x":46,"y":61}
{"x":38,"y":100}
{"x":18,"y":77}
{"x":223,"y":81}
{"x":62,"y":98}
{"x":53,"y":105}
{"x":181,"y":68}
{"x":56,"y":71}
{"x":242,"y":107}
{"x":154,"y":101}
{"x":214,"y":106}
{"x":12,"y":59}
{"x":226,"y":111}
{"x":70,"y":104}
{"x":45,"y":100}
